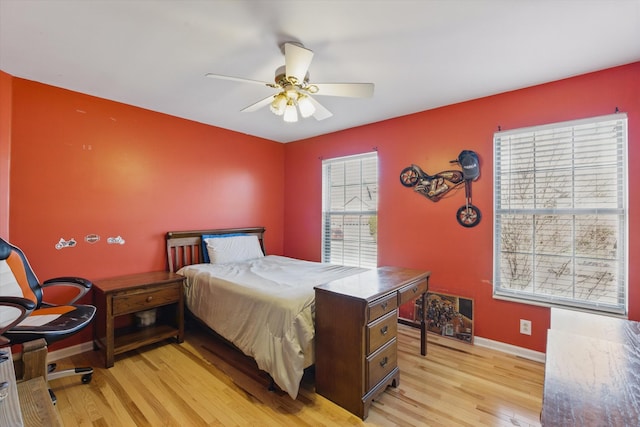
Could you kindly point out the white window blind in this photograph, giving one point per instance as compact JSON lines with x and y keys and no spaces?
{"x":560,"y":217}
{"x":350,"y":210}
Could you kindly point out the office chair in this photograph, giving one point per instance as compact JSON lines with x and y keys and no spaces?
{"x":24,"y":316}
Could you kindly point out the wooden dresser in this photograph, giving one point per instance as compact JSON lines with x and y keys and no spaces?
{"x":356,"y":328}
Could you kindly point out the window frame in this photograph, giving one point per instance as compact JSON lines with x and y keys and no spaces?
{"x":367,"y":251}
{"x":502,"y":212}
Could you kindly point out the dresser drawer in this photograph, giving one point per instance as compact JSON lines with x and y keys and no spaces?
{"x":143,"y":299}
{"x":411,"y":292}
{"x":382,"y":306}
{"x":381,"y":331}
{"x":381,"y":363}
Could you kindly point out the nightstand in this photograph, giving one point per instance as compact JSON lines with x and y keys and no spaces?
{"x":126,"y":295}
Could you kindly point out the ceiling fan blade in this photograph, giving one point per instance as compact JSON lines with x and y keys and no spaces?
{"x":258,"y":105}
{"x":296,"y":61}
{"x":238,"y":79}
{"x":321,"y":113}
{"x":353,"y":90}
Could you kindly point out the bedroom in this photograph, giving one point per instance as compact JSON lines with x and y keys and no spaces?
{"x":96,"y":166}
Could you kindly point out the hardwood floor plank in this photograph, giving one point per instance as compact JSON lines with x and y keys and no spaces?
{"x":206,"y":382}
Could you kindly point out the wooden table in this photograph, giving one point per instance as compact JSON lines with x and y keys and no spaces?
{"x":356,"y":329}
{"x":10,"y":414}
{"x":592,"y":371}
{"x":28,"y":403}
{"x":126,"y":295}
{"x":35,"y":404}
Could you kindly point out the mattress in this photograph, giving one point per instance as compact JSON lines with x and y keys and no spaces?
{"x":265,"y":307}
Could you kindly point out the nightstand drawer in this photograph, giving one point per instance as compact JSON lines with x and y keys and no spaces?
{"x":143,"y":299}
{"x":381,"y":331}
{"x":382,"y":306}
{"x":412,"y":291}
{"x":381,"y":363}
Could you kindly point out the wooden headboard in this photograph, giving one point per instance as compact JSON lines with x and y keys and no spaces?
{"x":185,"y":247}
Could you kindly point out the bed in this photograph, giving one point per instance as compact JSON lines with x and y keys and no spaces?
{"x":262,"y":304}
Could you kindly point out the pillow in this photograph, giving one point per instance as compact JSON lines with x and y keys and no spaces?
{"x":205,"y":253}
{"x":233,"y":249}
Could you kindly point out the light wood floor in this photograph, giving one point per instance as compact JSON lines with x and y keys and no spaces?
{"x":204,"y":382}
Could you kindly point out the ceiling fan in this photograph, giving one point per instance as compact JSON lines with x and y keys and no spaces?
{"x":294,"y":90}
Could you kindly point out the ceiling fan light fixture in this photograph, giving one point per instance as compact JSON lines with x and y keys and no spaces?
{"x":306,"y":106}
{"x":290,"y":112}
{"x":295,"y":94}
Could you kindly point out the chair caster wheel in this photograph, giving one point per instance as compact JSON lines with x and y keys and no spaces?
{"x":53,"y":397}
{"x":86,"y":378}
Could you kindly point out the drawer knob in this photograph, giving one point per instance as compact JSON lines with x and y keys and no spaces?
{"x":384,"y":361}
{"x":149,"y":298}
{"x":384,"y":330}
{"x":415,"y":289}
{"x":384,"y":305}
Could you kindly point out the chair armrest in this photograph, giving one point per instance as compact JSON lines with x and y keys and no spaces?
{"x":23,"y":305}
{"x":80,"y":284}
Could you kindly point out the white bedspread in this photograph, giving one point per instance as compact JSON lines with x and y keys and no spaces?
{"x":265,"y":307}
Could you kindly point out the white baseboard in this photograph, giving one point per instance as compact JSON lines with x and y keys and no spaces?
{"x":52,"y":356}
{"x":479,"y":341}
{"x":510,"y":349}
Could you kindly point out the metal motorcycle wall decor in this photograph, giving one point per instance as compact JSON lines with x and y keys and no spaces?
{"x":434,"y":187}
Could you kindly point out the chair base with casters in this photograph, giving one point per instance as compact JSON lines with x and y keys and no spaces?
{"x":25,"y":318}
{"x":32,"y":363}
{"x":87,"y":373}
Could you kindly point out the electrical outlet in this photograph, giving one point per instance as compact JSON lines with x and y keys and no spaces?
{"x":525,"y":327}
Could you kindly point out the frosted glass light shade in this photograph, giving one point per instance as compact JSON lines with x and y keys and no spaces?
{"x":306,"y":106}
{"x":290,"y":113}
{"x":278,"y":104}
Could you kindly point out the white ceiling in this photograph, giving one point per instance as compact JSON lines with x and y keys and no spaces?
{"x":419,"y":54}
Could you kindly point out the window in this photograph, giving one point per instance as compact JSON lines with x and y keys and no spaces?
{"x":560,"y":217}
{"x":350,"y":210}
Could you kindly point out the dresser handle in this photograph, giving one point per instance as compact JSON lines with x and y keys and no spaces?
{"x":384,"y":330}
{"x":384,"y":305}
{"x":415,"y":289}
{"x":384,"y":361}
{"x":149,"y":298}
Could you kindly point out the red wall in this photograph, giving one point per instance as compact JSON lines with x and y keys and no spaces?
{"x":415,"y":232}
{"x":82,"y":165}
